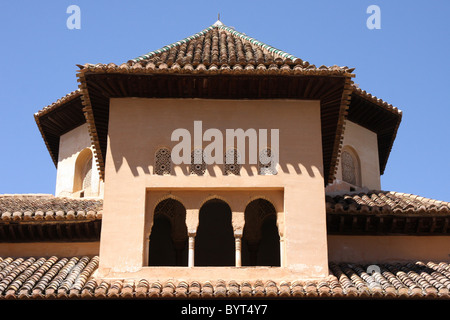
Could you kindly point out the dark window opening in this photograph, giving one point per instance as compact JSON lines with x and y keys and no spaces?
{"x":214,"y":242}
{"x":168,"y":237}
{"x":261,"y":240}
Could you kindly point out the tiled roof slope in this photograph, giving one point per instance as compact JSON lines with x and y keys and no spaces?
{"x":58,"y":118}
{"x":35,"y":207}
{"x":218,"y":49}
{"x":385,"y":202}
{"x":220,"y":45}
{"x":25,"y":207}
{"x":386,"y":213}
{"x":74,"y":278}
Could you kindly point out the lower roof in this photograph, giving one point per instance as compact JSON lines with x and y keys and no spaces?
{"x":41,"y":217}
{"x":74,"y":277}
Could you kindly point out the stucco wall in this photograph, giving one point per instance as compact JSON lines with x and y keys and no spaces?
{"x":365,"y":143}
{"x":380,"y":249}
{"x":70,"y":146}
{"x":138,"y":127}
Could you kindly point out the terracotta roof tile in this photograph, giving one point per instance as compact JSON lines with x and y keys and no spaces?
{"x":46,"y":117}
{"x":385,"y":202}
{"x":26,"y":207}
{"x":217,"y":49}
{"x":218,"y":45}
{"x":74,"y":278}
{"x":23,"y":207}
{"x":68,"y":97}
{"x":363,"y":93}
{"x":383,"y":212}
{"x":371,"y":212}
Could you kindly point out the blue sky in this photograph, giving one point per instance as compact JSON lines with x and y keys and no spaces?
{"x":404,"y":63}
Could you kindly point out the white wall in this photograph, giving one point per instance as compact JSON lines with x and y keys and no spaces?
{"x":70,"y":146}
{"x":365,"y":143}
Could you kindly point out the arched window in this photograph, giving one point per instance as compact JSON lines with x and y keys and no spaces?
{"x":168,"y":237}
{"x":350,"y":167}
{"x":198,"y":165}
{"x":83,"y":173}
{"x":214,"y":242}
{"x":261,"y":240}
{"x":266,"y":163}
{"x":232,"y":162}
{"x":163,"y":162}
{"x":87,"y":179}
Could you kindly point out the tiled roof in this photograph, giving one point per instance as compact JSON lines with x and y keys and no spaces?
{"x":363,"y":93}
{"x":41,"y":218}
{"x":58,"y":118}
{"x":32,"y":207}
{"x":36,"y":207}
{"x":378,"y":116}
{"x":68,"y":97}
{"x":73,"y":277}
{"x":385,"y":202}
{"x":384,"y":213}
{"x":219,"y":48}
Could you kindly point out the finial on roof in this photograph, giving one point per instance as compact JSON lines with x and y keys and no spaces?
{"x":218,"y":22}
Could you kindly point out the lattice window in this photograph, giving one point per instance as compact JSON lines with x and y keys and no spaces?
{"x":198,"y":165}
{"x":232,"y":162}
{"x":163,"y":162}
{"x":266,"y":163}
{"x":82,"y":181}
{"x":87,"y":175}
{"x":349,"y":168}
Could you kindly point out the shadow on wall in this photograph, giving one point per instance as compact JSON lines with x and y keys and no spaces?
{"x":139,"y":128}
{"x":149,"y":163}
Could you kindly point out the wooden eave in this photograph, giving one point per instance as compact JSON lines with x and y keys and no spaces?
{"x":50,"y":231}
{"x":58,"y":119}
{"x":388,"y":224}
{"x":379,"y":117}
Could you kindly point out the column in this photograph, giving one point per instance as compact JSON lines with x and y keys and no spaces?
{"x":282,"y":254}
{"x":238,"y":247}
{"x":281,"y":227}
{"x":191,"y":224}
{"x":191,"y":252}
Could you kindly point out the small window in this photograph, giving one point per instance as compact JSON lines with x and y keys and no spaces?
{"x":198,"y":165}
{"x":83,"y":173}
{"x":266,"y":163}
{"x":163,"y":162}
{"x":87,"y":175}
{"x":350,"y":167}
{"x":232,"y":162}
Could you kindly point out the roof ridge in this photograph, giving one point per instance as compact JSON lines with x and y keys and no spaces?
{"x":231,"y":30}
{"x":70,"y":96}
{"x":169,"y":46}
{"x":415,"y":196}
{"x":365,"y":191}
{"x":367,"y":95}
{"x":27,"y":195}
{"x":263,"y":45}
